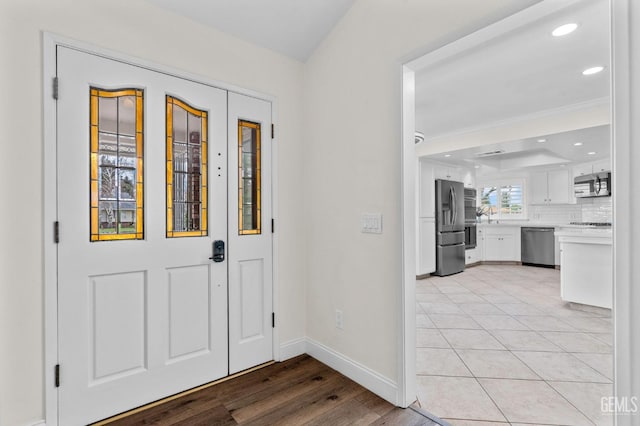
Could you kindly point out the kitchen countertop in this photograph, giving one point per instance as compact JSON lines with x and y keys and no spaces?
{"x":526,"y":223}
{"x":585,"y":235}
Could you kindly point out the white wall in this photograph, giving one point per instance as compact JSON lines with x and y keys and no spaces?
{"x":352,"y":95}
{"x":139,"y":29}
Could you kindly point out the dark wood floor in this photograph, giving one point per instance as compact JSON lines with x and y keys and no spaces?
{"x":300,"y":391}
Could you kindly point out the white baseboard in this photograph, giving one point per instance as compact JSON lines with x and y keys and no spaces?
{"x":293,"y":348}
{"x":376,"y":383}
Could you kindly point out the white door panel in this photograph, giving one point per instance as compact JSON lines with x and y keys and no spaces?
{"x":250,"y":253}
{"x":138,"y":319}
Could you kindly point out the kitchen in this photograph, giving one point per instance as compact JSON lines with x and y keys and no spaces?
{"x":541,"y":199}
{"x":524,"y":308}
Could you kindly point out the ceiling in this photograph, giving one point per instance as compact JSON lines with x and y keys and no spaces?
{"x":525,"y":72}
{"x":543,"y":151}
{"x":294,"y":28}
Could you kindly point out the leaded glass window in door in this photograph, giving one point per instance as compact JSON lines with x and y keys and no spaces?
{"x":186,"y":147}
{"x":249,"y":178}
{"x":116,"y":164}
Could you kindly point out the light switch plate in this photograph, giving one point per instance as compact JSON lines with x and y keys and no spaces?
{"x":371,"y":223}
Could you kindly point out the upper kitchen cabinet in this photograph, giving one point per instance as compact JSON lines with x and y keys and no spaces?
{"x":448,"y":173}
{"x":428,"y":172}
{"x":550,"y":187}
{"x":603,"y":165}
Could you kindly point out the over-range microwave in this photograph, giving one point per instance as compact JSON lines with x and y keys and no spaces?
{"x":592,"y":185}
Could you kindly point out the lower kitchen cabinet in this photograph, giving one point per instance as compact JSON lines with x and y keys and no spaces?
{"x":502,"y":243}
{"x":586,"y":274}
{"x":472,"y":256}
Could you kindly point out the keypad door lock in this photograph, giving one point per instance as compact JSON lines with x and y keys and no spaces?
{"x":218,"y":251}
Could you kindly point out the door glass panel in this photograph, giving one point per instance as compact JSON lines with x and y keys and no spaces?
{"x":249,"y":175}
{"x":116,"y":164}
{"x":186,"y":170}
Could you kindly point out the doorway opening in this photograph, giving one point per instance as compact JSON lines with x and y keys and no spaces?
{"x":518,"y":129}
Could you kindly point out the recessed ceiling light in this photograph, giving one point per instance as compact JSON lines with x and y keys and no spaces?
{"x":476,"y":166}
{"x":564,"y":30}
{"x":591,"y":153}
{"x":447,"y":155}
{"x":541,"y":140}
{"x":577,"y":144}
{"x":592,"y":70}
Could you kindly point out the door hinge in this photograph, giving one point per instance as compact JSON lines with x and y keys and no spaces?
{"x":273,"y":131}
{"x":273,"y":320}
{"x":55,"y":88}
{"x":56,"y":232}
{"x":273,"y":226}
{"x":56,"y":373}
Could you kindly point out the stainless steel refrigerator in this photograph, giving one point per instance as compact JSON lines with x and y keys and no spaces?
{"x":449,"y":227}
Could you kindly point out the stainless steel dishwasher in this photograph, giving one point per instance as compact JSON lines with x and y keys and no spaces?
{"x":538,"y":246}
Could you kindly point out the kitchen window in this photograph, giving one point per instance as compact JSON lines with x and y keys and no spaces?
{"x":503,"y":200}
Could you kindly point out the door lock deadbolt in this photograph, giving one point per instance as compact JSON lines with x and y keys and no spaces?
{"x":218,"y":251}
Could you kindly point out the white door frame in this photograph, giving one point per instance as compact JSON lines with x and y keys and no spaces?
{"x":50,"y":42}
{"x":625,"y":343}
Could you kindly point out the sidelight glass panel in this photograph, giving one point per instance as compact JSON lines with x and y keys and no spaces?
{"x":116,"y":157}
{"x":186,"y":170}
{"x":249,"y":175}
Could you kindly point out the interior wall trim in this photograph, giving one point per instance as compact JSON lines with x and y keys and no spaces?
{"x":375,"y":382}
{"x":293,"y":348}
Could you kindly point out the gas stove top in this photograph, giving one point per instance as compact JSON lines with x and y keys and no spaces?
{"x":591,"y":223}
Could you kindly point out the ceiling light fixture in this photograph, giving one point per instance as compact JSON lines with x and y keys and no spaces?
{"x":565,"y":29}
{"x":541,"y":140}
{"x":577,"y":144}
{"x":447,"y":155}
{"x":592,"y":70}
{"x":476,"y":166}
{"x":591,"y":153}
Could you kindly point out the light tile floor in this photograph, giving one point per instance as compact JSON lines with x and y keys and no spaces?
{"x":496,"y":345}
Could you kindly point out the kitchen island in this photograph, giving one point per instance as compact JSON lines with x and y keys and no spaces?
{"x":586,"y":273}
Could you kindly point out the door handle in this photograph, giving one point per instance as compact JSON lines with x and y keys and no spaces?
{"x":455,"y":206}
{"x":218,"y":251}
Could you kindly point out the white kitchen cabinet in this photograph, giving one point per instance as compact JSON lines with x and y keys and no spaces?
{"x":550,"y":187}
{"x":426,"y":262}
{"x":538,"y":188}
{"x":449,"y":173}
{"x":469,"y":178}
{"x":501,"y":243}
{"x":586,"y":269}
{"x":603,"y":165}
{"x":472,"y":256}
{"x":556,"y":245}
{"x":426,"y":186}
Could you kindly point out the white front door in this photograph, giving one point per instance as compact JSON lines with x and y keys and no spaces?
{"x":250,"y":233}
{"x":142,"y":196}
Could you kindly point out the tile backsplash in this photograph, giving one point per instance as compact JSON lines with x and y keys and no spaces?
{"x":586,"y":210}
{"x":596,"y":209}
{"x":557,"y":213}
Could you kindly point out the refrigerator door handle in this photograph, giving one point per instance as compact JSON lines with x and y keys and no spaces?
{"x":454,"y":207}
{"x":451,"y":206}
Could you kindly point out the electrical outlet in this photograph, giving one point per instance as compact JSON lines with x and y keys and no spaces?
{"x":339,"y":319}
